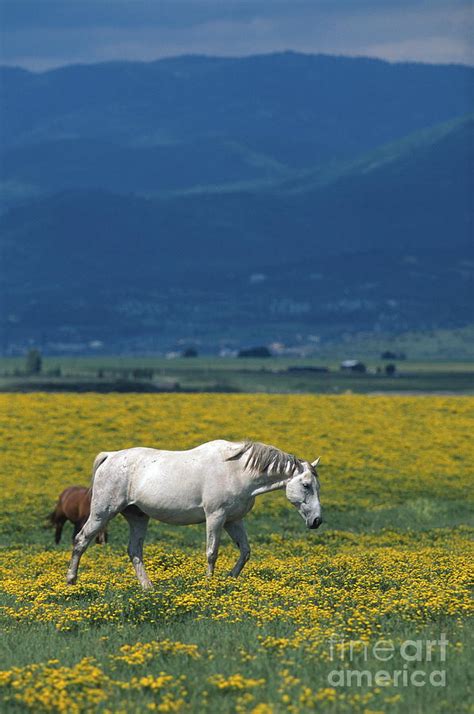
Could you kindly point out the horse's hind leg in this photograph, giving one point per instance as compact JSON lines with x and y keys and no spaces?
{"x":78,"y":526}
{"x":102,"y":537}
{"x":59,"y":529}
{"x":237,"y":532}
{"x":57,"y":519}
{"x":214,"y":523}
{"x":138,"y":523}
{"x":92,"y":526}
{"x":108,"y":497}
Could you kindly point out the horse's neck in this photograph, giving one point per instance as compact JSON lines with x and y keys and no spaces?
{"x":265,"y":483}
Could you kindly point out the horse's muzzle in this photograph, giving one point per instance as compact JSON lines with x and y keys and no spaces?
{"x":316,"y":523}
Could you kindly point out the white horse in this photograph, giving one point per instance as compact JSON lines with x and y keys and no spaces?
{"x":216,"y":482}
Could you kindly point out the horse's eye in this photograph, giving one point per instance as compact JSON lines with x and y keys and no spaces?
{"x":306,"y":485}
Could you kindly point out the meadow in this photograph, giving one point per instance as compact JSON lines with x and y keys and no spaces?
{"x":391,"y":563}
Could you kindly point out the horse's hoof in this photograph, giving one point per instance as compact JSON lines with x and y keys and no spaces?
{"x":71,"y":580}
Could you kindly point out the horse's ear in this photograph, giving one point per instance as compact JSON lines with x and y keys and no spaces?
{"x":315,"y":463}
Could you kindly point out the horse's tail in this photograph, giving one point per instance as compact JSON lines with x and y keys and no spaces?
{"x":98,"y":461}
{"x":54,"y":517}
{"x":51,"y":519}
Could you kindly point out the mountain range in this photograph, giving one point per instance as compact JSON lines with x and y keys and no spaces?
{"x":228,"y":201}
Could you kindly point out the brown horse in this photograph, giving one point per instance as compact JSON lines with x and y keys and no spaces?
{"x":74,"y":505}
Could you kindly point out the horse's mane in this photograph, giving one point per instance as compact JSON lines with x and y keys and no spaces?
{"x":262,"y":457}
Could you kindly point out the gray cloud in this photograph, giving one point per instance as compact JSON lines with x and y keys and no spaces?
{"x":48,"y":33}
{"x":27,"y":14}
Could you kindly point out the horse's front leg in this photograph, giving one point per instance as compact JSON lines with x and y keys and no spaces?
{"x":214,"y":524}
{"x":138,"y":522}
{"x":237,"y":532}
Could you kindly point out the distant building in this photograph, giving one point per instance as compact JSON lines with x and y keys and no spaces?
{"x":353,"y":365}
{"x":227,"y":352}
{"x":256,"y":278}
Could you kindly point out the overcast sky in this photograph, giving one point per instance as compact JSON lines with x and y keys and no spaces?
{"x":40,"y":34}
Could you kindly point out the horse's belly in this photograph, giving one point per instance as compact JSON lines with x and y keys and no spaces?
{"x":163,"y":495}
{"x":181,"y":517}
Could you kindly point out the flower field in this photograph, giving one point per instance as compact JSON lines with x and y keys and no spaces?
{"x":391,"y":563}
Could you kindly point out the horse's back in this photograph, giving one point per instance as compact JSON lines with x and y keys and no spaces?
{"x":75,"y":502}
{"x":137,"y":458}
{"x":168,"y":485}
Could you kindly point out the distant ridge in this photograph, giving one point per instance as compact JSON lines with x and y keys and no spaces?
{"x":288,"y":195}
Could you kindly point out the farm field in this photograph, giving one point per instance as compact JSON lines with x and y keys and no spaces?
{"x":391,"y":563}
{"x":234,"y":375}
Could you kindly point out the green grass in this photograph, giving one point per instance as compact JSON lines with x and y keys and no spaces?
{"x":222,"y":641}
{"x":229,"y":647}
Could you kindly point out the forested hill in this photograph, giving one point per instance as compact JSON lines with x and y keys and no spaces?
{"x":195,"y":120}
{"x":177,"y":199}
